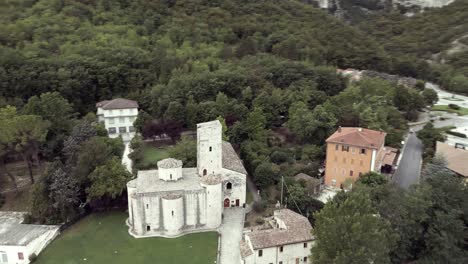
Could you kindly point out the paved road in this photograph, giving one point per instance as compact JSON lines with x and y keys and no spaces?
{"x":231,"y":235}
{"x":409,"y":169}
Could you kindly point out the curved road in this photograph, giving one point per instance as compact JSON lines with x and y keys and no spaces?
{"x":409,"y":169}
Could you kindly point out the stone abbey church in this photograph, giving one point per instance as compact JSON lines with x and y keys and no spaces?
{"x":173,"y":200}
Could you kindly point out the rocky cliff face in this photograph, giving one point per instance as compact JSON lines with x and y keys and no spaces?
{"x":424,"y":3}
{"x":327,"y":4}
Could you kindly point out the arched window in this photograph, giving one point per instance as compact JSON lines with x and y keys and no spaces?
{"x":172,"y":213}
{"x":204,"y":172}
{"x":229,"y":186}
{"x":148,"y":228}
{"x":211,"y":149}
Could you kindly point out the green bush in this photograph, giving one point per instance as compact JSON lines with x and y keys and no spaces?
{"x":2,"y":200}
{"x":259,"y":206}
{"x":457,"y":134}
{"x":32,"y":258}
{"x":454,"y":106}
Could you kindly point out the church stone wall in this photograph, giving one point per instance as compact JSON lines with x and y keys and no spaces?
{"x":209,"y":147}
{"x":214,"y":205}
{"x":191,"y":209}
{"x":238,"y":188}
{"x":173,"y":214}
{"x":170,"y":174}
{"x":152,"y":212}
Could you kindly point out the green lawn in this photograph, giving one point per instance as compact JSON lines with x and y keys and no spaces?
{"x":453,"y":99}
{"x":104,"y":239}
{"x":151,"y":155}
{"x":445,"y":108}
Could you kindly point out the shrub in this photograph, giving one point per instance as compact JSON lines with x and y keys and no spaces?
{"x":457,"y":134}
{"x":454,"y":106}
{"x":259,"y":206}
{"x":2,"y":200}
{"x":32,"y":258}
{"x":259,"y":221}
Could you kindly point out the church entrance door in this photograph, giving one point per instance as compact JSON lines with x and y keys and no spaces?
{"x":226,"y":202}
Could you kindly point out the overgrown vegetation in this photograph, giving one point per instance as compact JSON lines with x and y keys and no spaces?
{"x":385,"y":224}
{"x":433,"y":35}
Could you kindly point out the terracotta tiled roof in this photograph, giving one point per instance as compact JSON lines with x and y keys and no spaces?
{"x":360,"y":137}
{"x":457,"y":159}
{"x":230,"y":159}
{"x":298,"y":229}
{"x":307,"y":178}
{"x":119,"y":103}
{"x":389,"y":156}
{"x":245,"y":249}
{"x":169,"y":163}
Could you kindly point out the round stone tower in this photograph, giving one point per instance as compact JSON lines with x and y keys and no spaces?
{"x":214,"y":206}
{"x":173,"y":213}
{"x":170,"y":169}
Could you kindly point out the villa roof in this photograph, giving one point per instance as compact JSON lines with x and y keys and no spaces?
{"x":360,"y":137}
{"x":456,"y":158}
{"x":307,"y":178}
{"x":119,"y":103}
{"x":13,"y":233}
{"x":231,"y":160}
{"x":169,"y":163}
{"x":298,"y":229}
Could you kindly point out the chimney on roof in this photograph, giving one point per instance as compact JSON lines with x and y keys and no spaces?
{"x":339,"y":129}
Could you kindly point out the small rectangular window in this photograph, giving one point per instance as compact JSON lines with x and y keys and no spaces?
{"x":112,"y":130}
{"x":20,"y":256}
{"x":351,"y":173}
{"x":210,"y":149}
{"x":122,"y":130}
{"x":337,"y":147}
{"x":345,"y":148}
{"x":360,"y":174}
{"x":131,"y":129}
{"x":363,"y":151}
{"x":260,"y":253}
{"x":111,"y":120}
{"x":281,"y":262}
{"x":305,"y":245}
{"x":281,"y":249}
{"x":305,"y":259}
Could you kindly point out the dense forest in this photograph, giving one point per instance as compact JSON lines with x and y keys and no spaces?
{"x":437,"y":40}
{"x":266,"y":69}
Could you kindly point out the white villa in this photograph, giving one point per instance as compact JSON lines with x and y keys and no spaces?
{"x":118,"y":116}
{"x":19,"y":241}
{"x":286,"y":238}
{"x":173,"y":200}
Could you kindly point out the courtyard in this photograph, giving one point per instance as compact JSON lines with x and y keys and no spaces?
{"x":103,"y":238}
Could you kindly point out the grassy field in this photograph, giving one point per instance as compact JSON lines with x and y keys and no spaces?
{"x":453,"y":99}
{"x":104,"y":239}
{"x":151,"y":155}
{"x":445,"y":108}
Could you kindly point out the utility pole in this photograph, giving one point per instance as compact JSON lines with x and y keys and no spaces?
{"x":282,"y":183}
